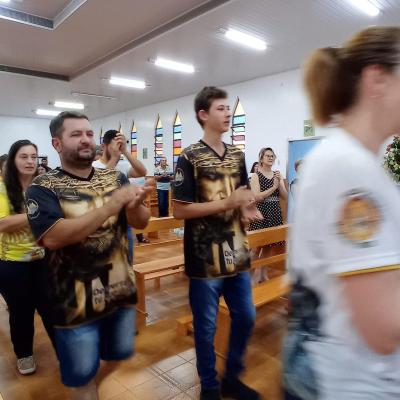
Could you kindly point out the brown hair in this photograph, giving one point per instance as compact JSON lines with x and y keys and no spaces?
{"x":332,"y":75}
{"x":205,"y":97}
{"x":57,"y":123}
{"x":262,"y":152}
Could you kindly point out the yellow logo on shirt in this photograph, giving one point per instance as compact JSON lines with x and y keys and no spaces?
{"x":359,"y":218}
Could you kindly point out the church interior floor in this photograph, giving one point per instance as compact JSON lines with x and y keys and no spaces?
{"x":163,"y":367}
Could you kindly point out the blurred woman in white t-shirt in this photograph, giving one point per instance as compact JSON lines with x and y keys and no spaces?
{"x":344,"y":248}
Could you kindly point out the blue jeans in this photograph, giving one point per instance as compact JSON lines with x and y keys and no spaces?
{"x":163,"y":199}
{"x":80,"y":349}
{"x":204,"y":297}
{"x":130,"y":244}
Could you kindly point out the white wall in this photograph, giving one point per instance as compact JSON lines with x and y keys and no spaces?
{"x":34,"y":129}
{"x":275,"y":108}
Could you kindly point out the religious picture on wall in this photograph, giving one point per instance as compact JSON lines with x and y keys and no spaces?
{"x":297,"y":154}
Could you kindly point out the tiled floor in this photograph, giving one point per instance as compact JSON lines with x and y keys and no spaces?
{"x":163,"y":367}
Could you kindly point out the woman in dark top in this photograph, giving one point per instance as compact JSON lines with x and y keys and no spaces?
{"x":268,"y":186}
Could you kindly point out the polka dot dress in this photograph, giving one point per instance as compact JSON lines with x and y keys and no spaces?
{"x":270,"y":208}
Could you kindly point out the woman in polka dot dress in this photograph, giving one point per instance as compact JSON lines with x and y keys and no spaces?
{"x":268,"y":185}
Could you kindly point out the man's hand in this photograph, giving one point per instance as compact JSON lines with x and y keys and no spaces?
{"x":120,"y":139}
{"x":114,"y":149}
{"x":250,"y":214}
{"x":139,"y":196}
{"x":120,"y":198}
{"x":241,"y":197}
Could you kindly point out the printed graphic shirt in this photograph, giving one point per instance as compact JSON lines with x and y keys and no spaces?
{"x":91,"y":278}
{"x":19,"y":245}
{"x":216,"y":245}
{"x":346,"y":222}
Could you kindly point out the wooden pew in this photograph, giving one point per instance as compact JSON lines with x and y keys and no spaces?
{"x":263,"y":293}
{"x":153,"y":270}
{"x":158,"y":224}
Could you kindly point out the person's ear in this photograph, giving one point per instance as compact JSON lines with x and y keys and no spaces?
{"x":203,"y":115}
{"x":56,"y":143}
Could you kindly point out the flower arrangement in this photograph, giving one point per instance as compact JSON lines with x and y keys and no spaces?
{"x":392,"y":159}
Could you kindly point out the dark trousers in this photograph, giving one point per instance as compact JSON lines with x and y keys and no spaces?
{"x":204,"y":297}
{"x":22,"y":284}
{"x":163,"y":199}
{"x":288,"y":396}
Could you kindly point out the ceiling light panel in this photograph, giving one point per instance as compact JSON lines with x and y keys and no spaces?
{"x":131,"y":83}
{"x":174,"y":65}
{"x":245,"y":39}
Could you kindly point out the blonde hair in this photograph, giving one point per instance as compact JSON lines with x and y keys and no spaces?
{"x":332,"y":75}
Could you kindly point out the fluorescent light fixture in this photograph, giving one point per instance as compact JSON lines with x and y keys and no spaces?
{"x":173,"y":65}
{"x":127,"y":82}
{"x":366,"y":6}
{"x":100,"y":96}
{"x":5,"y":1}
{"x":47,"y":113}
{"x":66,"y":104}
{"x":245,"y":39}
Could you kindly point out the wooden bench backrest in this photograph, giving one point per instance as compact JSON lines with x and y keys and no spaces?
{"x":264,"y":237}
{"x":158,"y":224}
{"x":159,"y":265}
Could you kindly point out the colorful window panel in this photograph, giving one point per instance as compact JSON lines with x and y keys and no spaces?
{"x":239,"y":126}
{"x":177,"y":138}
{"x":134,"y":148}
{"x":158,"y":142}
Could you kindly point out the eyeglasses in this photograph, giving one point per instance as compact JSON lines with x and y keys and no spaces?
{"x":271,"y":157}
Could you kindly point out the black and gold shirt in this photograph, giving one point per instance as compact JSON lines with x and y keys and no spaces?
{"x":216,"y":245}
{"x":92,"y":278}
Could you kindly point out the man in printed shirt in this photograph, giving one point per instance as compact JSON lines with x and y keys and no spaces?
{"x":211,"y":193}
{"x":80,"y":214}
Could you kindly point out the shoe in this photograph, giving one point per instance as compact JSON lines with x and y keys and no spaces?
{"x":210,"y":394}
{"x":236,"y":390}
{"x":26,"y":365}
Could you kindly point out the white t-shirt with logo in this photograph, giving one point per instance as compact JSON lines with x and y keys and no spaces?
{"x":122,"y":166}
{"x":346,"y":221}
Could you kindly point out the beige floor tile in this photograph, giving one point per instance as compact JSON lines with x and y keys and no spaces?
{"x":189,"y":354}
{"x":128,"y":395}
{"x":110,"y":387}
{"x":185,"y":376}
{"x":155,"y":389}
{"x":167,"y":364}
{"x":182,"y":396}
{"x":131,"y":378}
{"x":194,"y":392}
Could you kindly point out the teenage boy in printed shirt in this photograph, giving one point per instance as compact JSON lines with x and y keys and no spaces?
{"x":80,"y":214}
{"x":211,"y":193}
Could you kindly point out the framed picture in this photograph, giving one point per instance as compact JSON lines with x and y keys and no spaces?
{"x":42,"y":160}
{"x":297,"y":152}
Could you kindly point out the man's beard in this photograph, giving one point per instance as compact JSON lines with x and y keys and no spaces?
{"x":73,"y":157}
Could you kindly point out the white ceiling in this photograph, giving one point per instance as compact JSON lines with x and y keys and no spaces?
{"x":85,"y":47}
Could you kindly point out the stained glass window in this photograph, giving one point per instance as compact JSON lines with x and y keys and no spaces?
{"x":177,"y":138}
{"x":239,"y":126}
{"x":134,"y":140}
{"x":158,"y":142}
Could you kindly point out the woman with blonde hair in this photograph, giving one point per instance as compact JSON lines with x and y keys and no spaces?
{"x":344,"y":254}
{"x":268,"y":186}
